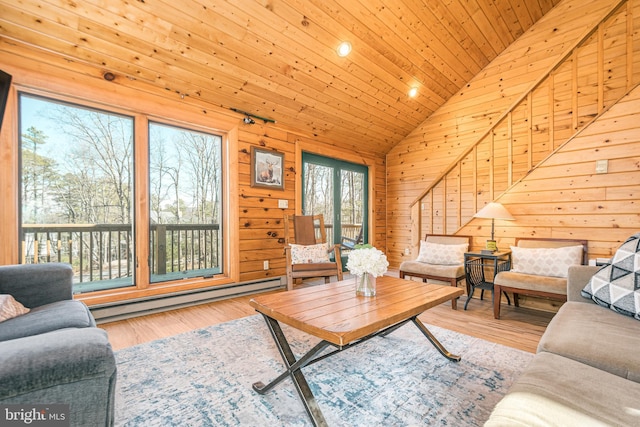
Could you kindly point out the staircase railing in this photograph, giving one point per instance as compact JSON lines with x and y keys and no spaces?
{"x":537,"y":124}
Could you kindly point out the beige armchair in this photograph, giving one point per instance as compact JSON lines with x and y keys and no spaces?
{"x":437,"y":262}
{"x":532,"y":275}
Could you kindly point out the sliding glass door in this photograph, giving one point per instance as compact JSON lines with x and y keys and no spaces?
{"x":338,"y":190}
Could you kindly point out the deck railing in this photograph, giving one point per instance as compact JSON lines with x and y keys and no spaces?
{"x":105,"y":251}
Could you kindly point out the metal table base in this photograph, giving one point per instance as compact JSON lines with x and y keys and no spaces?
{"x":294,"y":366}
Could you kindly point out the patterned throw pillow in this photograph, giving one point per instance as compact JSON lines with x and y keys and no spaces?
{"x":617,"y":285}
{"x":552,"y":262}
{"x":437,"y":253}
{"x":309,"y":254}
{"x":10,"y":308}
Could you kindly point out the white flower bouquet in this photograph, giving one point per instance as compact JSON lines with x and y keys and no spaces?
{"x":367,"y":259}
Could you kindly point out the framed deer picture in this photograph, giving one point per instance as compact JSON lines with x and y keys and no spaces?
{"x":267,"y":168}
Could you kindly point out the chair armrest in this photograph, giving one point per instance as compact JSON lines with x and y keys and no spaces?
{"x":62,"y":357}
{"x":34,"y":285}
{"x":336,"y":250}
{"x":577,"y":277}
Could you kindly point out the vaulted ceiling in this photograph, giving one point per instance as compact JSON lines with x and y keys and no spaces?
{"x":277,"y":58}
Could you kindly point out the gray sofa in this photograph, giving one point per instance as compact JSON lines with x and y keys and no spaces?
{"x":586,"y":371}
{"x":54,"y":354}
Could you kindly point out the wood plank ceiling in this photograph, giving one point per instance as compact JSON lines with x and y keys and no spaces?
{"x":277,"y":58}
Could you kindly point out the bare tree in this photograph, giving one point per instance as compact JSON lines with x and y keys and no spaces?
{"x":202,"y":153}
{"x":102,"y":153}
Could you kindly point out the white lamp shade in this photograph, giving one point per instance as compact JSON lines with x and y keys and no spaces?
{"x":494,"y":211}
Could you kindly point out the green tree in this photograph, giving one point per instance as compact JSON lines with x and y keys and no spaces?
{"x":39,"y":174}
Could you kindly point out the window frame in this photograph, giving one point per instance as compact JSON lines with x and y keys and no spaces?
{"x":170,"y":113}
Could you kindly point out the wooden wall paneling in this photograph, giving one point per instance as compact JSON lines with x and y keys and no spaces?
{"x":562,"y":128}
{"x":540,"y":123}
{"x":521,"y":137}
{"x":551,"y":105}
{"x":600,"y":64}
{"x":9,"y":187}
{"x":451,"y":202}
{"x":574,"y":91}
{"x":255,"y":215}
{"x":458,"y":199}
{"x":552,"y":111}
{"x":586,"y":80}
{"x":636,"y":41}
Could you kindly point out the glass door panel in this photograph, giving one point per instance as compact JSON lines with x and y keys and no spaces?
{"x":318,"y":194}
{"x":338,"y":190}
{"x":352,"y":207}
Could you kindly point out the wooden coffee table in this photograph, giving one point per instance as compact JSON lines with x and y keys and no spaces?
{"x":341,"y":319}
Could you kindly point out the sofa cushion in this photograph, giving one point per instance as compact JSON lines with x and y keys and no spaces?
{"x":617,"y":285}
{"x":552,"y":262}
{"x":595,"y":336}
{"x":510,"y":279}
{"x":442,"y":254}
{"x":556,"y":391}
{"x":47,"y":318}
{"x":309,"y":254}
{"x":10,"y":308}
{"x":421,"y":268}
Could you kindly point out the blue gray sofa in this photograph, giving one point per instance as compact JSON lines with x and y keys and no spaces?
{"x":54,"y":354}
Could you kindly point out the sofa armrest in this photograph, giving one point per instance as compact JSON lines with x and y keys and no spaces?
{"x":58,"y":357}
{"x":34,"y":285}
{"x":577,"y":277}
{"x":68,"y":366}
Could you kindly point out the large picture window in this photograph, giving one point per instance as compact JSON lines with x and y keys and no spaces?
{"x":76,"y":191}
{"x":185,"y":169}
{"x":78,"y":203}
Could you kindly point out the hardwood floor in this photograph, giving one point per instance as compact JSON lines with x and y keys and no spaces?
{"x":518,"y":327}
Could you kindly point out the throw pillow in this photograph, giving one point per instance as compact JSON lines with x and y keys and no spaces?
{"x":10,"y":308}
{"x":553,"y":262}
{"x":309,"y":254}
{"x":617,"y":285}
{"x":441,"y":254}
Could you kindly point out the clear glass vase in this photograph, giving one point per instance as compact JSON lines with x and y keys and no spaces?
{"x":366,"y":285}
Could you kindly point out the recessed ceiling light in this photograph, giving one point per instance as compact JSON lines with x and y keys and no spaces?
{"x":344,"y":49}
{"x":413,"y":92}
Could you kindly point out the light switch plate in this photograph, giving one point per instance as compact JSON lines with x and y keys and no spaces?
{"x":283,"y":204}
{"x":602,"y":166}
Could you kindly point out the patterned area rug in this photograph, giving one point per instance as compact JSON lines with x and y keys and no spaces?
{"x":204,"y":378}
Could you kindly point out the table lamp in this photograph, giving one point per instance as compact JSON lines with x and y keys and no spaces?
{"x":494,"y":211}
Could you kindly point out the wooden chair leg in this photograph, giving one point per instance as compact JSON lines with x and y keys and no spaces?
{"x":516,"y":303}
{"x":497,"y":298}
{"x":454,"y":302}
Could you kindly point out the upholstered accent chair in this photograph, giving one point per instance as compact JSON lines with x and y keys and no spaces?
{"x":539,"y":268}
{"x":307,"y":252}
{"x":441,"y":259}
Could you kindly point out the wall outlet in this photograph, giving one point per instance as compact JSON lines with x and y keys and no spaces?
{"x":265,"y":265}
{"x":407,"y":251}
{"x":283,"y":204}
{"x":602,"y":166}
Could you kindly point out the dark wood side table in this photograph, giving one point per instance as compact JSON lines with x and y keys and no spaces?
{"x":475,"y":264}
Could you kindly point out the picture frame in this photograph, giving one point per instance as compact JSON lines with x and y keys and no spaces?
{"x":267,"y":168}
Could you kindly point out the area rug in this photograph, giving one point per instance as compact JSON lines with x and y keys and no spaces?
{"x":204,"y":378}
